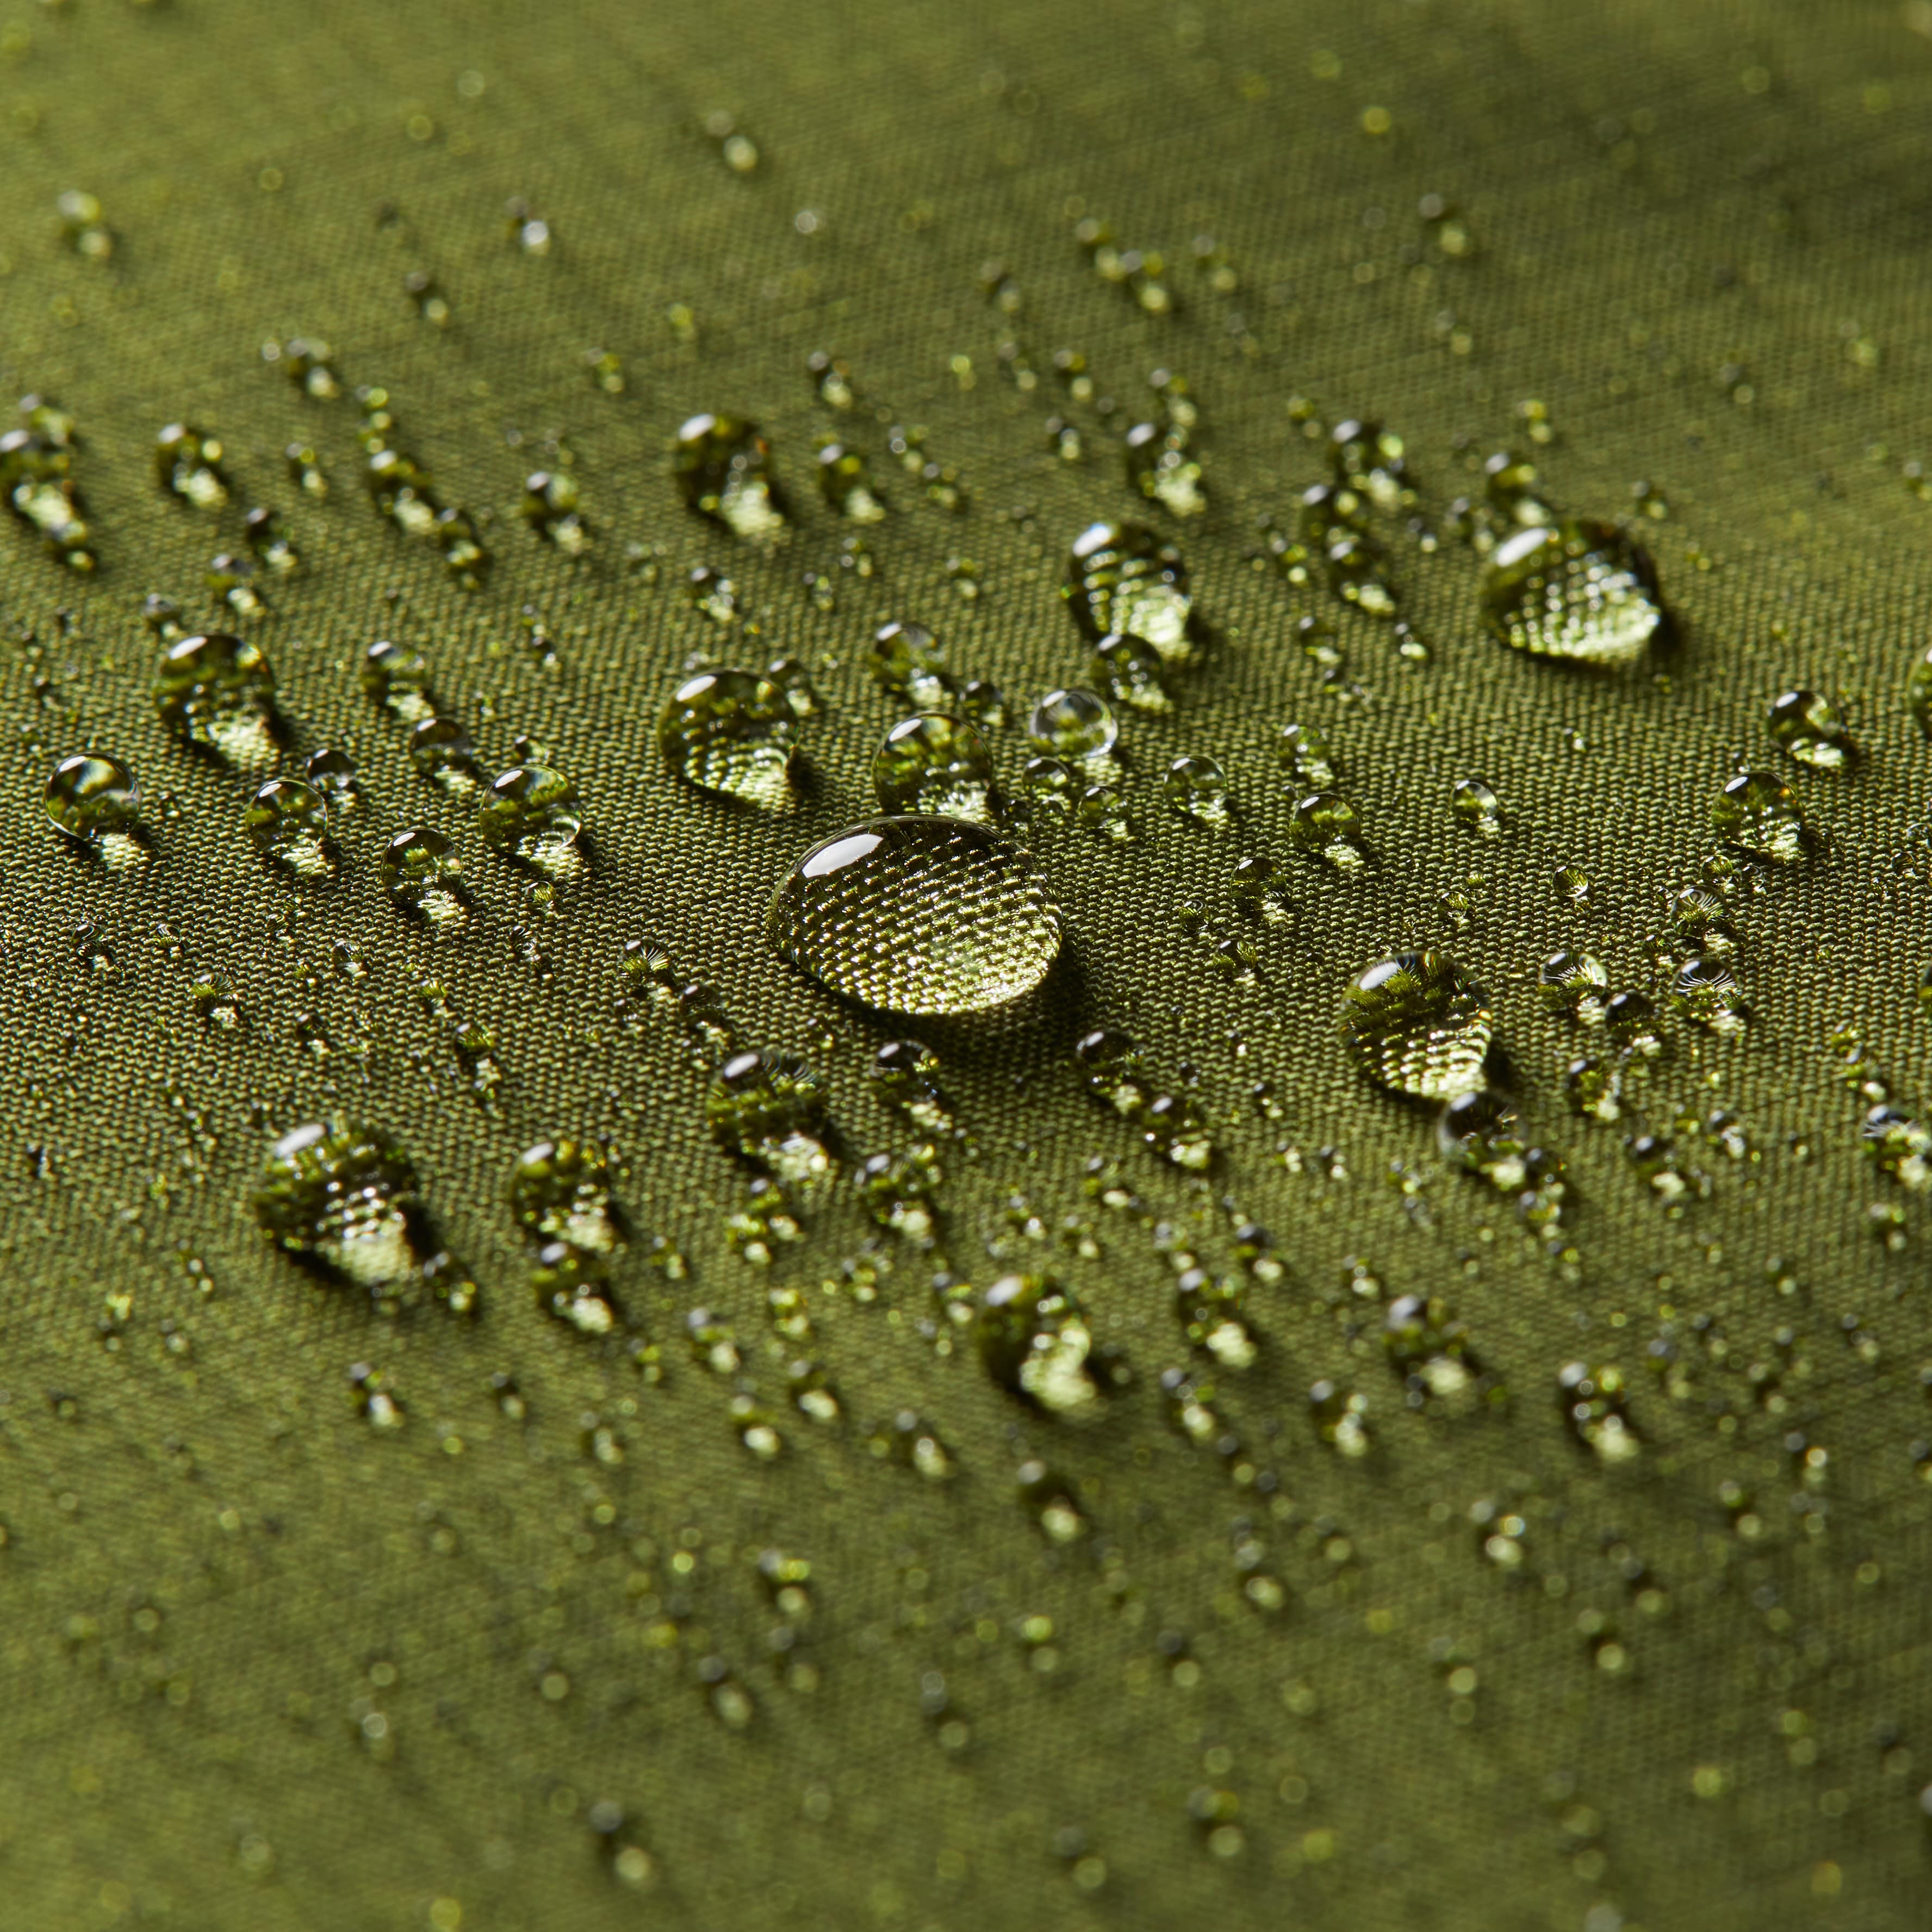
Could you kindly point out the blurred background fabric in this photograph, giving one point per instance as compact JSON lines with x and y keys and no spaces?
{"x":318,"y":1614}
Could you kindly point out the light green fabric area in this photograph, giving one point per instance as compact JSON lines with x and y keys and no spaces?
{"x":270,"y":1667}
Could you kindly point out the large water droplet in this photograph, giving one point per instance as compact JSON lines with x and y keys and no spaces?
{"x":530,"y":812}
{"x":917,"y":916}
{"x":1123,"y":580}
{"x":722,"y":467}
{"x":731,"y":732}
{"x":1073,"y":724}
{"x":216,"y":690}
{"x":90,"y":796}
{"x":343,"y":1192}
{"x":1759,"y":811}
{"x":934,"y":763}
{"x":1577,"y":590}
{"x":1810,"y":728}
{"x":1417,"y":1023}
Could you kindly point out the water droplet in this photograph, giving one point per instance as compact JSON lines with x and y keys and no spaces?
{"x":918,"y":915}
{"x":288,"y":821}
{"x":1050,"y":782}
{"x":560,"y":1190}
{"x":188,"y":464}
{"x":907,"y":660}
{"x":1899,"y":1145}
{"x":722,"y":467}
{"x":1476,"y":808}
{"x":1571,"y":884}
{"x":397,"y":676}
{"x":1073,"y":724}
{"x":730,"y":732}
{"x":845,"y":482}
{"x":530,"y":812}
{"x":1128,"y":671}
{"x":332,"y":772}
{"x":791,"y":677}
{"x":1812,"y":729}
{"x":1101,"y":808}
{"x":1759,"y":811}
{"x":88,"y":797}
{"x":1418,"y":1024}
{"x":1034,"y":1342}
{"x":1331,"y":828}
{"x":1577,"y":590}
{"x":216,"y":690}
{"x":1574,"y":983}
{"x":1919,"y":690}
{"x":1122,"y":580}
{"x":418,"y":868}
{"x":1211,"y":1314}
{"x":343,"y":1193}
{"x":440,"y":749}
{"x":936,"y":764}
{"x":905,"y":1073}
{"x":1197,"y":788}
{"x":1159,"y":466}
{"x":769,"y":1108}
{"x":1305,"y":752}
{"x":1594,"y":1088}
{"x":1706,"y":990}
{"x":1594,"y":1411}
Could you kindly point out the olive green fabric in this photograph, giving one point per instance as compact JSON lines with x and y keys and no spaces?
{"x":271,"y":1666}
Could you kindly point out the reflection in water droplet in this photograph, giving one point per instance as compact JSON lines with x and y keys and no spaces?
{"x":1159,"y":465}
{"x":1476,"y":808}
{"x":1331,"y":829}
{"x":1123,"y":580}
{"x":917,"y":915}
{"x":1418,"y":1024}
{"x":1759,"y":811}
{"x":398,"y":676}
{"x":1810,"y":728}
{"x":89,"y":796}
{"x":560,"y":1190}
{"x":907,"y":660}
{"x":215,"y":690}
{"x":440,"y":750}
{"x":1574,"y":983}
{"x":332,"y":772}
{"x":1479,"y":1132}
{"x":933,"y":763}
{"x":1706,"y":990}
{"x":530,"y":812}
{"x":1594,"y":1088}
{"x":1305,"y":752}
{"x":418,"y":870}
{"x":906,"y":1074}
{"x":730,"y":732}
{"x":1034,"y":1342}
{"x":343,"y":1192}
{"x":1578,"y":589}
{"x":1197,"y":788}
{"x":1128,"y":671}
{"x":769,"y":1108}
{"x":722,"y":467}
{"x":288,"y":821}
{"x":1073,"y":724}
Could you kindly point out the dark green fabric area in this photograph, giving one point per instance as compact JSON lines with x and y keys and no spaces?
{"x":216,"y":1571}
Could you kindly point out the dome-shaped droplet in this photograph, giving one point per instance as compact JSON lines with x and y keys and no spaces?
{"x":907,"y":660}
{"x":440,"y":749}
{"x":1197,"y":788}
{"x":288,"y":820}
{"x":1418,"y":1024}
{"x":332,"y":772}
{"x":1576,"y":590}
{"x":1574,"y":983}
{"x":935,"y":764}
{"x":1073,"y":724}
{"x":1759,"y":812}
{"x":1331,"y":828}
{"x":1810,"y":729}
{"x":917,"y":916}
{"x":1162,"y":467}
{"x":1122,"y":580}
{"x":1128,"y":671}
{"x":1306,"y":753}
{"x":418,"y":863}
{"x":343,"y":1192}
{"x":216,"y":690}
{"x":1034,"y":1342}
{"x":89,"y":796}
{"x":1706,"y":990}
{"x":1478,"y":1131}
{"x":398,"y":676}
{"x":731,"y":732}
{"x":722,"y":466}
{"x":769,"y":1108}
{"x":1476,"y":807}
{"x":530,"y":812}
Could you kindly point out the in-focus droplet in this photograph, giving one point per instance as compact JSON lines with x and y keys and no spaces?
{"x":1576,"y":590}
{"x":440,"y":749}
{"x":917,"y":916}
{"x":1329,"y":828}
{"x":419,"y":864}
{"x":287,"y":820}
{"x":1759,"y":811}
{"x":343,"y":1192}
{"x":530,"y":812}
{"x":90,"y":796}
{"x":1123,"y":580}
{"x":729,"y":731}
{"x":722,"y":466}
{"x":1073,"y":724}
{"x":216,"y":690}
{"x":1810,"y":729}
{"x":1706,"y":990}
{"x":934,"y":763}
{"x":1476,"y":808}
{"x":1417,"y":1023}
{"x":1197,"y":788}
{"x":1576,"y":984}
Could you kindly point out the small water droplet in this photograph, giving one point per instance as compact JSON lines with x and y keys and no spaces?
{"x":721,"y":464}
{"x":1073,"y":724}
{"x":90,"y":796}
{"x":1759,"y":811}
{"x":1197,"y":788}
{"x":188,"y":464}
{"x":1418,"y":1024}
{"x":288,"y":821}
{"x":1034,"y":1342}
{"x":1594,"y":1087}
{"x":343,"y":1193}
{"x":769,"y":1108}
{"x":1128,"y":671}
{"x":1706,"y":990}
{"x":1919,"y":690}
{"x":440,"y":749}
{"x":215,"y":690}
{"x":1122,"y":580}
{"x":935,"y":764}
{"x":1331,"y":828}
{"x":907,"y":660}
{"x":1161,"y":466}
{"x":1572,"y":884}
{"x":1577,"y":590}
{"x":1810,"y":728}
{"x":530,"y":812}
{"x":1476,"y":808}
{"x":1575,"y":983}
{"x":917,"y":915}
{"x":1306,"y":753}
{"x":560,"y":1190}
{"x":730,"y":732}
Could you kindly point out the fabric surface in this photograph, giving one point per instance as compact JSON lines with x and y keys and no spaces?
{"x":291,"y":1646}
